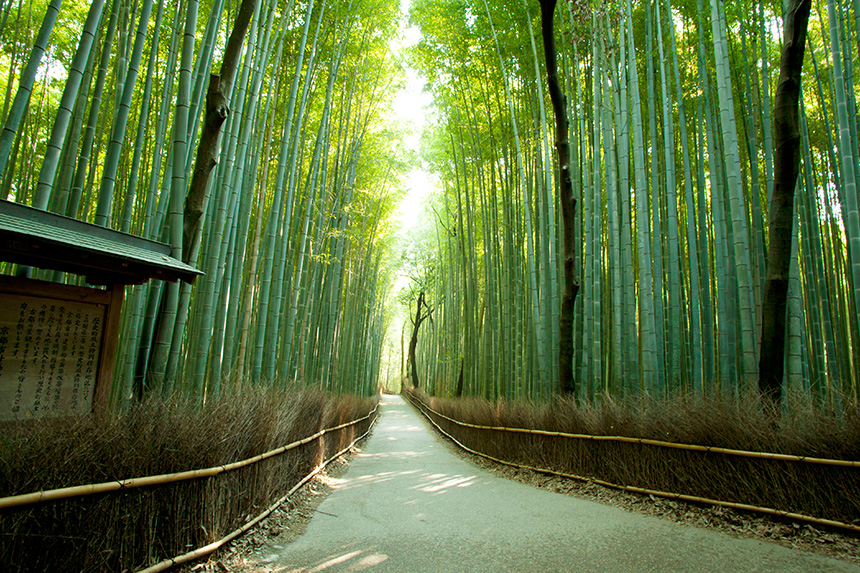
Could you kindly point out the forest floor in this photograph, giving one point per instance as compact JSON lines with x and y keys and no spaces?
{"x":289,"y":522}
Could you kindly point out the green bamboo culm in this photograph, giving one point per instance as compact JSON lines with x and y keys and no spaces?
{"x":25,"y":85}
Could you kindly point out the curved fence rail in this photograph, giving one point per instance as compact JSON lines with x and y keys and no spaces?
{"x":650,"y":442}
{"x":427,"y":412}
{"x":126,"y":484}
{"x":214,"y":546}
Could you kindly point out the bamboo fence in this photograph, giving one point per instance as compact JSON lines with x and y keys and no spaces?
{"x":424,"y":409}
{"x":126,"y":484}
{"x":215,"y":545}
{"x":650,"y":442}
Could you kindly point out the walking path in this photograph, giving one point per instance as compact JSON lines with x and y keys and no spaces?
{"x":407,"y":504}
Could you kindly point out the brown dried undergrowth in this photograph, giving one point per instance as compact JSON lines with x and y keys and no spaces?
{"x":815,"y":490}
{"x":127,"y":530}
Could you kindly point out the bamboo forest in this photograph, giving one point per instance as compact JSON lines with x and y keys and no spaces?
{"x":258,"y":139}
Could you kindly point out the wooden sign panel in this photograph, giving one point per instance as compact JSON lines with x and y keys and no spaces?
{"x":52,"y":345}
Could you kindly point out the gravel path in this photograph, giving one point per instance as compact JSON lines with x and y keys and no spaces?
{"x":407,"y":503}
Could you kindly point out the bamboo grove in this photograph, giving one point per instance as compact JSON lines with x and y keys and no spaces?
{"x":106,"y":101}
{"x":672,"y":162}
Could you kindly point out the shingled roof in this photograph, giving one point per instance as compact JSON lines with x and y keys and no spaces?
{"x":46,"y":240}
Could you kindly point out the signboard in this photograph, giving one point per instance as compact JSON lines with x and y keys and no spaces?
{"x":52,"y":344}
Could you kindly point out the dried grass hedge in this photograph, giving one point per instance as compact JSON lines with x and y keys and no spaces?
{"x":815,"y":490}
{"x":127,"y":530}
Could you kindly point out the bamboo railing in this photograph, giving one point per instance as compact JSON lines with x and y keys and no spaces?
{"x":215,"y":545}
{"x":424,"y":409}
{"x":659,"y":443}
{"x":126,"y":484}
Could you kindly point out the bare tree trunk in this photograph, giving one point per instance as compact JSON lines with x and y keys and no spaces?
{"x":402,"y":356}
{"x":459,"y":390}
{"x":217,"y":109}
{"x":786,"y":130}
{"x":413,"y":342}
{"x":567,"y":384}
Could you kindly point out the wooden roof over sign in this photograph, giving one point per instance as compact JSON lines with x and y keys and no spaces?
{"x":37,"y":238}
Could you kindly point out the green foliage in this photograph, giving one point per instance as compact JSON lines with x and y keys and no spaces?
{"x":299,"y":243}
{"x":713,"y":199}
{"x":340,"y":166}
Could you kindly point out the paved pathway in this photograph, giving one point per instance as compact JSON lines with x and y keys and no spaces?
{"x":407,"y":504}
